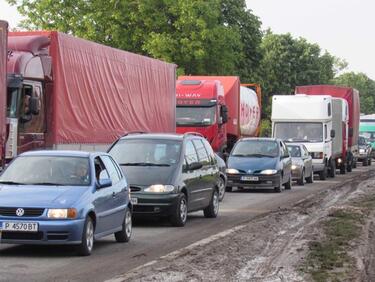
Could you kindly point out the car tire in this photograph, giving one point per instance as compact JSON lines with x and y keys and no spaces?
{"x":365,"y":162}
{"x":288,"y":185}
{"x":310,"y":179}
{"x":301,"y":181}
{"x":323,"y":174}
{"x":228,"y":189}
{"x":349,"y":167}
{"x":87,"y":244}
{"x":222,"y":188}
{"x":342,"y":168}
{"x":332,"y":169}
{"x":179,"y":216}
{"x":213,"y":208}
{"x":279,"y":187}
{"x":124,"y":235}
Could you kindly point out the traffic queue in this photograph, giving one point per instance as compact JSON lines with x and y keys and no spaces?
{"x":171,"y":147}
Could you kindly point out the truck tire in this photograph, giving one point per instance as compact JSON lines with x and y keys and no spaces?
{"x":323,"y":174}
{"x":342,"y":168}
{"x":369,"y":161}
{"x":332,"y":169}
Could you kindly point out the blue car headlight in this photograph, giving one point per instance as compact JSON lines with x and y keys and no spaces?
{"x":62,"y":213}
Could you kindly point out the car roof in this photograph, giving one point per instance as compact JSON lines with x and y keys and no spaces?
{"x":57,"y":153}
{"x":260,"y":139}
{"x":166,"y":136}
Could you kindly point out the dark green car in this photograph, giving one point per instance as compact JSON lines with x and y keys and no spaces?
{"x":169,"y":174}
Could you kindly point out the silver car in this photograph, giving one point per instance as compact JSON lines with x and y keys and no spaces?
{"x":302,"y":167}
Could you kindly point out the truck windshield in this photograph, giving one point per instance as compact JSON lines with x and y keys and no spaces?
{"x":196,"y":116}
{"x":299,"y":132}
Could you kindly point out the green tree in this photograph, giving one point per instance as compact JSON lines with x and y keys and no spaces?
{"x":364,"y":85}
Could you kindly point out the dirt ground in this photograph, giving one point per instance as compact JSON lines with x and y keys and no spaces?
{"x":271,"y":247}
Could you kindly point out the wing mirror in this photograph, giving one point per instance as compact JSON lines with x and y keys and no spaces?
{"x":195,"y":166}
{"x":103,"y":183}
{"x":333,"y":133}
{"x":224,"y":114}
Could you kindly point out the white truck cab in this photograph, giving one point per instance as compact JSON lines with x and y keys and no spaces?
{"x":308,"y":120}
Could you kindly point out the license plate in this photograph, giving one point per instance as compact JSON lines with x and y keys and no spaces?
{"x":134,"y":201}
{"x":250,"y":178}
{"x":20,"y":226}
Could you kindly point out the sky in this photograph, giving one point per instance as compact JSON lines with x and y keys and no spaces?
{"x":345,"y":28}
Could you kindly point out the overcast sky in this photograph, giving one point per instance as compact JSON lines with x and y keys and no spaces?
{"x":346,"y":28}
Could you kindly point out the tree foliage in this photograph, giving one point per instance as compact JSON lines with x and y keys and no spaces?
{"x":364,"y":85}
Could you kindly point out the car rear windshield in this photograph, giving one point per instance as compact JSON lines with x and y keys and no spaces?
{"x":294,"y":151}
{"x":146,"y":152}
{"x":256,"y":148}
{"x":48,"y":170}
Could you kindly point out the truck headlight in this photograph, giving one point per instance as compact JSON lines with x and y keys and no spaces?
{"x":62,"y":213}
{"x":268,"y":171}
{"x":294,"y":167}
{"x":362,"y":151}
{"x":231,"y":171}
{"x":159,"y":188}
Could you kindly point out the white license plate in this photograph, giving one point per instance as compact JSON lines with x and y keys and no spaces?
{"x":20,"y":226}
{"x":134,"y":201}
{"x":249,"y":178}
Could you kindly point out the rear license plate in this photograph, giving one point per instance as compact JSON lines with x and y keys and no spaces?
{"x":20,"y":226}
{"x":250,"y":178}
{"x":134,"y":201}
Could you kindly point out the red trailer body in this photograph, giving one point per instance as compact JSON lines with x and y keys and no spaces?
{"x":3,"y":89}
{"x":93,"y":93}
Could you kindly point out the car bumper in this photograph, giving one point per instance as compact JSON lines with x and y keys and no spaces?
{"x":265,"y":181}
{"x":361,"y":157}
{"x":157,"y":205}
{"x":50,"y":232}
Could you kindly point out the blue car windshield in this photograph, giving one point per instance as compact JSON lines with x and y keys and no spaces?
{"x":256,"y":148}
{"x":47,"y":170}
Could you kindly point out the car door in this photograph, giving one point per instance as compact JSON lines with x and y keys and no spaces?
{"x":205,"y":174}
{"x":307,"y":161}
{"x":191,"y":176}
{"x":287,"y":162}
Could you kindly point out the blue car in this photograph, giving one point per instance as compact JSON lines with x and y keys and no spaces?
{"x":63,"y":197}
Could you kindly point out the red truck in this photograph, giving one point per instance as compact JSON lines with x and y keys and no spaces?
{"x":68,"y":93}
{"x":351,"y":95}
{"x":219,"y":108}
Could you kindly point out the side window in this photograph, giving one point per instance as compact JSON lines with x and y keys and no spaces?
{"x":285,"y":150}
{"x":202,"y":153}
{"x":190,"y":153}
{"x":209,"y":150}
{"x":325,"y":131}
{"x":329,"y":109}
{"x":119,"y":172}
{"x":100,"y":170}
{"x":111,"y":169}
{"x":306,"y":152}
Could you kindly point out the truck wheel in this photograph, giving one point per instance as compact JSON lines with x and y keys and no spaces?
{"x":228,"y":189}
{"x":301,"y":181}
{"x":310,"y":179}
{"x":342,"y":168}
{"x":213,"y":209}
{"x":369,"y":161}
{"x":323,"y":174}
{"x":332,"y":169}
{"x":179,"y":215}
{"x":365,"y":162}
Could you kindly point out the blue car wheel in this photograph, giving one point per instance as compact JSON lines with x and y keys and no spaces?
{"x":126,"y":231}
{"x":87,"y":244}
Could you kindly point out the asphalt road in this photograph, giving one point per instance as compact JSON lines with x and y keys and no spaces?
{"x":150,"y":240}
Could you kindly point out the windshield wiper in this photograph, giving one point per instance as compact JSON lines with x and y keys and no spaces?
{"x":259,"y":155}
{"x":46,"y":183}
{"x":144,"y":164}
{"x":11,"y":183}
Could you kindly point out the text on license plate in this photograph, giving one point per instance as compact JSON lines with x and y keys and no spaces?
{"x":134,"y":201}
{"x":250,"y":178}
{"x":20,"y":226}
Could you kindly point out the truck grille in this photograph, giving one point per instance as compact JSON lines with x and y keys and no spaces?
{"x":28,"y":212}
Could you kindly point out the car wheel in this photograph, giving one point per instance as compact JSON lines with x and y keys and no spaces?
{"x":126,"y":231}
{"x":179,"y":215}
{"x":323,"y":174}
{"x":342,"y":168}
{"x":301,"y":181}
{"x":332,"y":169}
{"x":310,"y":179}
{"x":222,"y":189}
{"x":228,"y":189}
{"x":213,"y":209}
{"x":87,"y":244}
{"x":278,"y":188}
{"x":349,"y":167}
{"x":365,"y":162}
{"x":288,"y":185}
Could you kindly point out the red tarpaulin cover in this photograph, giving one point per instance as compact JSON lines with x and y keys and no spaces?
{"x":349,"y":94}
{"x":99,"y":93}
{"x":3,"y":82}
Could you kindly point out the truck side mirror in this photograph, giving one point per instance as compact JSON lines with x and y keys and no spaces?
{"x":351,"y":133}
{"x":333,"y":133}
{"x":34,"y":105}
{"x":224,"y":114}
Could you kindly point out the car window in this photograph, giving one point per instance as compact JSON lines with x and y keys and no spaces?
{"x":202,"y":153}
{"x":295,"y":151}
{"x":284,"y":149}
{"x":117,"y":168}
{"x":209,"y":150}
{"x":190,"y":153}
{"x":113,"y":174}
{"x":100,"y":170}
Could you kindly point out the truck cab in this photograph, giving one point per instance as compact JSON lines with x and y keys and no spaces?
{"x":307,"y":120}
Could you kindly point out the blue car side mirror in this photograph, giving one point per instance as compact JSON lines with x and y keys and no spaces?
{"x":103,"y":183}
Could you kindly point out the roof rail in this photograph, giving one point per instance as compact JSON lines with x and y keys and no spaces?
{"x":193,"y":133}
{"x":134,"y":132}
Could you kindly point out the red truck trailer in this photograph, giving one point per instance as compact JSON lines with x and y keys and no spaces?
{"x":69,"y":93}
{"x":3,"y":86}
{"x":219,"y":108}
{"x":351,"y":95}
